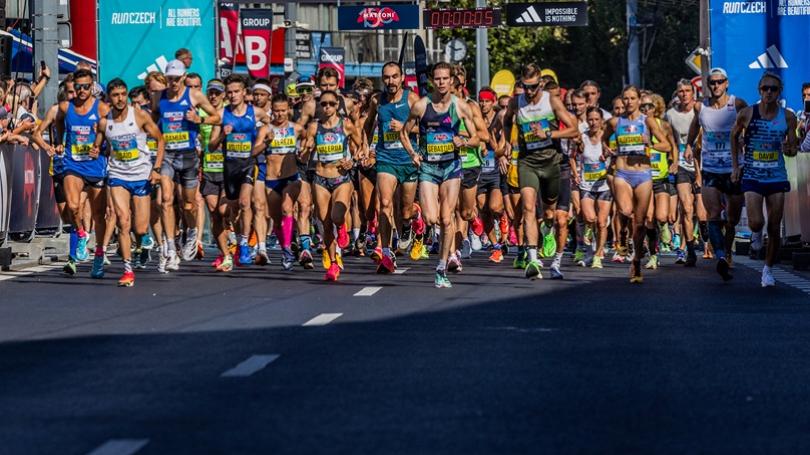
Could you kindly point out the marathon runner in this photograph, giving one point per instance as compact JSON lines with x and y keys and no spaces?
{"x":261,"y":99}
{"x":213,"y":163}
{"x":768,"y":133}
{"x":490,"y":191}
{"x":439,"y":118}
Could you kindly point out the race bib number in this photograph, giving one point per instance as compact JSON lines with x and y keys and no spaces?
{"x":214,"y":160}
{"x":533,"y":142}
{"x":151,"y":144}
{"x":765,"y":159}
{"x":81,"y":143}
{"x":238,"y":146}
{"x":439,"y":146}
{"x":594,"y":172}
{"x":177,"y":140}
{"x":286,"y":141}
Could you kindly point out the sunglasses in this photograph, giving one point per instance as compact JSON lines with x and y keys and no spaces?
{"x":717,"y":82}
{"x":329,"y":103}
{"x":769,"y":88}
{"x":647,"y":106}
{"x":82,"y":86}
{"x":531,"y":87}
{"x":304,"y":90}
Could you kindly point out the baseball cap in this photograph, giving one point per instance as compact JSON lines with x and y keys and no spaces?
{"x":718,"y":71}
{"x":216,"y":85}
{"x":549,"y":72}
{"x":291,"y":90}
{"x":175,"y":68}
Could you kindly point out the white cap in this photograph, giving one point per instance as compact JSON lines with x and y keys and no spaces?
{"x":175,"y":68}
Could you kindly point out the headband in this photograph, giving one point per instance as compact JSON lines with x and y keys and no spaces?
{"x":486,"y":95}
{"x":264,"y":87}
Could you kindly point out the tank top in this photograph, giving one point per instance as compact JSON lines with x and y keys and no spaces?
{"x":129,"y":154}
{"x":80,"y":132}
{"x":436,"y":131}
{"x":681,"y":121}
{"x":717,"y":124}
{"x":179,"y":133}
{"x":284,"y":141}
{"x":238,"y":143}
{"x":659,"y":161}
{"x":389,"y":149}
{"x":592,"y":170}
{"x":630,"y":135}
{"x":489,"y":164}
{"x":529,"y":115}
{"x":331,"y":144}
{"x":470,"y":156}
{"x":764,"y":160}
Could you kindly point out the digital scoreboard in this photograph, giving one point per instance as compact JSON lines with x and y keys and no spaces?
{"x":462,"y":18}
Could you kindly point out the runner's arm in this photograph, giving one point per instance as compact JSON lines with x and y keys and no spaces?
{"x":307,"y":112}
{"x":791,"y":141}
{"x":743,"y":118}
{"x":371,"y":118}
{"x":466,"y":114}
{"x":215,"y":141}
{"x":694,"y":129}
{"x":201,"y":101}
{"x":261,"y":140}
{"x":480,"y":125}
{"x":571,"y":122}
{"x":658,"y":132}
{"x":417,"y":111}
{"x":148,"y":125}
{"x":610,"y":128}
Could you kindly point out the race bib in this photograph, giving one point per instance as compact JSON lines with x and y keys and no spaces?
{"x":594,"y":172}
{"x":533,"y":142}
{"x":765,"y":159}
{"x":238,"y":146}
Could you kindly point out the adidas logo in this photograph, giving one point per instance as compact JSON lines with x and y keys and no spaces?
{"x":183,"y":103}
{"x":159,"y":65}
{"x":771,"y":58}
{"x":529,"y":16}
{"x":92,"y":117}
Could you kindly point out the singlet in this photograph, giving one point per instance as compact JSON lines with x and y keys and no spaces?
{"x":470,"y":156}
{"x":284,"y":141}
{"x":681,"y":121}
{"x":764,"y":160}
{"x":630,"y":135}
{"x":389,"y":149}
{"x":180,"y":134}
{"x":659,"y":161}
{"x":57,"y":164}
{"x":129,"y":154}
{"x":238,"y":144}
{"x":436,"y":131}
{"x":592,"y":169}
{"x":80,"y":135}
{"x":531,"y":146}
{"x":331,"y":144}
{"x":489,"y":163}
{"x":717,"y":124}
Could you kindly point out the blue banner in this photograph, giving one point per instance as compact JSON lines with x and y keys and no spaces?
{"x":752,"y":37}
{"x":135,"y":38}
{"x":383,"y":17}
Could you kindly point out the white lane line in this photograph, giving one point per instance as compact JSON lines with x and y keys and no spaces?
{"x":322,"y":319}
{"x":781,"y":275}
{"x":367,"y":291}
{"x":401,"y":271}
{"x":250,"y":366}
{"x":11,"y":274}
{"x":120,"y":447}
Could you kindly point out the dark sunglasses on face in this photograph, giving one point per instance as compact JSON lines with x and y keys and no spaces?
{"x":305,"y":90}
{"x":717,"y":82}
{"x":648,"y":106}
{"x":82,"y":86}
{"x":769,"y":88}
{"x":329,"y":103}
{"x":531,"y":87}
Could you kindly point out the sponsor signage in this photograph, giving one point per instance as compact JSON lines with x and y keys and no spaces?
{"x":264,"y":47}
{"x":303,"y":44}
{"x":336,"y":58}
{"x":549,"y":14}
{"x":382,"y":17}
{"x":752,"y":37}
{"x":135,"y":38}
{"x":230,"y":39}
{"x":462,"y":18}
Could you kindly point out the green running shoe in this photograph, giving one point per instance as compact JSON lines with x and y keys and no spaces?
{"x":70,"y":267}
{"x":549,"y":245}
{"x":520,"y":260}
{"x":441,"y":280}
{"x":532,"y":271}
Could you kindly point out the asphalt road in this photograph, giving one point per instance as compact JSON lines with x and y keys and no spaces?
{"x":258,"y":361}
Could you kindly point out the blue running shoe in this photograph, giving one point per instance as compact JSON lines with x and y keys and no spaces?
{"x":81,"y":248}
{"x":287,"y":259}
{"x":147,"y":242}
{"x":98,"y":267}
{"x":245,"y":257}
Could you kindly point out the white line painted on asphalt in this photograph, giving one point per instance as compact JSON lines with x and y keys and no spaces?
{"x":401,"y":271}
{"x":250,"y":366}
{"x":11,"y":274}
{"x":779,"y":274}
{"x":322,"y":319}
{"x":120,"y":447}
{"x":367,"y":291}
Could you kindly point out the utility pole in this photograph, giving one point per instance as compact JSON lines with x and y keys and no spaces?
{"x":291,"y":15}
{"x":481,"y":54}
{"x":705,"y":44}
{"x":46,"y":48}
{"x":633,"y":52}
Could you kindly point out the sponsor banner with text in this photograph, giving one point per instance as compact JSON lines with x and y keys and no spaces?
{"x":382,"y":17}
{"x":264,"y":47}
{"x":548,"y":14}
{"x":336,"y":58}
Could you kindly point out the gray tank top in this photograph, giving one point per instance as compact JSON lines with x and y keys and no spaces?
{"x":681,"y":121}
{"x":716,"y":146}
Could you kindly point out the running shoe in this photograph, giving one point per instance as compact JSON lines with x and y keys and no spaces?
{"x":635,"y":272}
{"x":216,"y":262}
{"x":475,"y":242}
{"x":147,"y":241}
{"x":418,"y":224}
{"x":261,"y":258}
{"x":143,"y":258}
{"x":596,"y":263}
{"x":466,"y":249}
{"x":424,"y":254}
{"x":665,"y":248}
{"x":556,"y":274}
{"x":287,"y":259}
{"x":520,"y":260}
{"x":81,"y":248}
{"x":477,"y":226}
{"x":98,"y":267}
{"x":377,"y":255}
{"x":441,"y":280}
{"x":691,"y":258}
{"x":579,"y":258}
{"x":434,"y":248}
{"x":532,"y":270}
{"x":512,"y":236}
{"x":162,"y":260}
{"x":106,"y":259}
{"x":405,"y":241}
{"x":305,"y":259}
{"x":226,"y":265}
{"x":339,"y":259}
{"x":680,"y":257}
{"x":245,"y":258}
{"x":549,"y":245}
{"x":200,"y":252}
{"x":416,"y":249}
{"x":617,"y":258}
{"x":359,"y":248}
{"x":127,"y":280}
{"x":70,"y":267}
{"x":332,"y":273}
{"x":722,"y":269}
{"x":767,"y":277}
{"x":388,"y":264}
{"x":454,"y":264}
{"x":652,"y":264}
{"x":173,"y":261}
{"x":343,"y":236}
{"x":496,"y":256}
{"x":190,"y":247}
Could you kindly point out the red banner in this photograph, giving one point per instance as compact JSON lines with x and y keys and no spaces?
{"x":231,"y":48}
{"x":256,"y":32}
{"x":334,"y":57}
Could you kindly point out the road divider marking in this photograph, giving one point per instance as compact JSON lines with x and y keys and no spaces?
{"x":322,"y":319}
{"x":250,"y":366}
{"x":367,"y":291}
{"x":120,"y":447}
{"x":401,"y":271}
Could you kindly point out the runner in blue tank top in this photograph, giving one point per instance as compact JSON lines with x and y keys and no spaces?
{"x":387,"y":115}
{"x":84,"y":167}
{"x":175,"y":111}
{"x":769,"y":134}
{"x":241,"y":141}
{"x":439,"y":117}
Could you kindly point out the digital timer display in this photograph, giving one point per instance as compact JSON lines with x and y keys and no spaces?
{"x":462,"y":18}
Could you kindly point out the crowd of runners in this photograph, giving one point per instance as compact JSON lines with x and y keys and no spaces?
{"x":392,"y":176}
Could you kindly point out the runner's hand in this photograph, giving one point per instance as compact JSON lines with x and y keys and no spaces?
{"x":227,"y":129}
{"x":459,"y":141}
{"x":347,"y":164}
{"x":417,"y":160}
{"x":539,"y":131}
{"x":154,"y":177}
{"x":688,"y":154}
{"x":735,"y":174}
{"x":503,"y":165}
{"x":94,"y":152}
{"x":59,"y":149}
{"x":673,"y":168}
{"x":395,"y":125}
{"x":192,"y":117}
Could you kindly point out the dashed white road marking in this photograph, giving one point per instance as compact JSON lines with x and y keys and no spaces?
{"x":322,"y":319}
{"x":401,"y":271}
{"x":251,"y":365}
{"x":780,"y":275}
{"x":10,"y":275}
{"x":120,"y":447}
{"x":367,"y":291}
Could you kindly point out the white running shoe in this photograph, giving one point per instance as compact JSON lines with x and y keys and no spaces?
{"x":767,"y":277}
{"x":173,"y":261}
{"x":190,"y":248}
{"x":475,"y":242}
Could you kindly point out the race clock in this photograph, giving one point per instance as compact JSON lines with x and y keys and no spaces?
{"x":462,"y":18}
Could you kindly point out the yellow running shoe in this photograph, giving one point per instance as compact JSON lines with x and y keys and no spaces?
{"x":339,"y":260}
{"x":416,"y":249}
{"x":325,"y":261}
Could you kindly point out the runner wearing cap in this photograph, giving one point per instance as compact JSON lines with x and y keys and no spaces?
{"x":213,"y":163}
{"x":261,"y":99}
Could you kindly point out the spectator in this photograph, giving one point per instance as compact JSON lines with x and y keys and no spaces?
{"x":184,"y":55}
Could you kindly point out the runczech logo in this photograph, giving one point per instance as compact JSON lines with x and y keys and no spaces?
{"x":377,"y":17}
{"x":329,"y":138}
{"x":441,"y":137}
